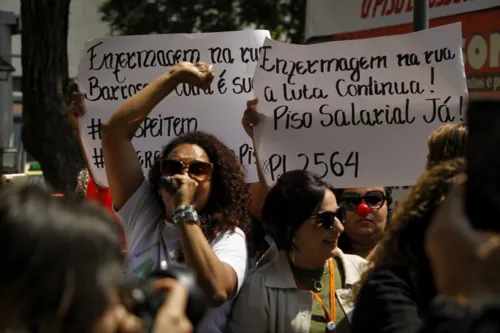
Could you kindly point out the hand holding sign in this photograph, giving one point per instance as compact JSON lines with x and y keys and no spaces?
{"x":75,"y":110}
{"x":250,"y":117}
{"x":200,"y":74}
{"x":114,"y":69}
{"x":347,"y":110}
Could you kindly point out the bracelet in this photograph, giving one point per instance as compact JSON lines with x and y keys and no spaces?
{"x":181,"y":209}
{"x":189,"y":216}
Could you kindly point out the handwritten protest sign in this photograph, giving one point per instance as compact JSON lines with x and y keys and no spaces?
{"x":358,"y":113}
{"x":114,"y":68}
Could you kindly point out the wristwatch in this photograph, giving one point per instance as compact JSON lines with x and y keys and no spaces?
{"x":186,"y":217}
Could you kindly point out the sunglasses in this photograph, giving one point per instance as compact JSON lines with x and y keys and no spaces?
{"x":197,"y":170}
{"x":327,"y":218}
{"x":374,"y":199}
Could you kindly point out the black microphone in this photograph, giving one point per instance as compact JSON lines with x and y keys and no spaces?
{"x":169,"y":184}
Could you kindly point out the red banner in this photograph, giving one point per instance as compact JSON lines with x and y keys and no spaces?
{"x":373,"y":8}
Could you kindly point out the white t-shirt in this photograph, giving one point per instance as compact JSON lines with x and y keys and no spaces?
{"x":142,"y":218}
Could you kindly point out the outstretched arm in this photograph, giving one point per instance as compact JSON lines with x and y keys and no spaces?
{"x":123,"y":168}
{"x":75,"y":110}
{"x":258,"y":191}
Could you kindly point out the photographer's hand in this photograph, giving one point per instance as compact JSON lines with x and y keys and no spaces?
{"x":118,"y":320}
{"x":171,"y":317}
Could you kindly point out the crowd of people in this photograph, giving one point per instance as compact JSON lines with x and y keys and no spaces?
{"x":297,"y":256}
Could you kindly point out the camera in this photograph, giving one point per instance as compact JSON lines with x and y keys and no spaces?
{"x":142,"y":300}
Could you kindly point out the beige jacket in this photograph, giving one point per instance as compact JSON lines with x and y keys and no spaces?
{"x":270,"y":301}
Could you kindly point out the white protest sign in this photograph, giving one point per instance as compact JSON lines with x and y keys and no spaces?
{"x":399,"y":193}
{"x":358,"y":113}
{"x":114,"y":68}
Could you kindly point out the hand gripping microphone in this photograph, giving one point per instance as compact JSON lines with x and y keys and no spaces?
{"x":169,"y":184}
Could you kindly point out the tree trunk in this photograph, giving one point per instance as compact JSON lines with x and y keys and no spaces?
{"x":47,"y":135}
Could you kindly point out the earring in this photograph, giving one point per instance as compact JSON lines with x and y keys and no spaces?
{"x":292,"y":256}
{"x":292,"y":251}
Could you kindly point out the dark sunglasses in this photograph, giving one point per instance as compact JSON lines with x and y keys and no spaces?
{"x":327,"y":218}
{"x":197,"y":170}
{"x":374,"y":199}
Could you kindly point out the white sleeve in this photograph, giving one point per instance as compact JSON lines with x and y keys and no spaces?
{"x":231,"y":248}
{"x":140,"y":214}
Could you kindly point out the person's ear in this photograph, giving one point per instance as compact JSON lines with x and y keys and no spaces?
{"x":292,"y":235}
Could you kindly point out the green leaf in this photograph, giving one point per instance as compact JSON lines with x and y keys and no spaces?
{"x":284,"y":18}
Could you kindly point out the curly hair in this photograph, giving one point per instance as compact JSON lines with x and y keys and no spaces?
{"x":227,"y":205}
{"x":403,"y":244}
{"x":447,"y":142}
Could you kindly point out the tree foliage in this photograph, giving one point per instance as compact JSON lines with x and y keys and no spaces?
{"x":284,"y":18}
{"x":46,"y":133}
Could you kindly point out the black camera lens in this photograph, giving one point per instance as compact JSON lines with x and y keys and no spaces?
{"x":140,"y":298}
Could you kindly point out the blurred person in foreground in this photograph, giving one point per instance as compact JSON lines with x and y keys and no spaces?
{"x":469,"y":299}
{"x":397,"y":290}
{"x":62,"y":269}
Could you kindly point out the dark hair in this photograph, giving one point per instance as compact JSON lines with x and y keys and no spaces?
{"x":61,"y":257}
{"x":344,"y":241}
{"x":289,"y":203}
{"x":403,"y":245}
{"x":447,"y":142}
{"x":229,"y":198}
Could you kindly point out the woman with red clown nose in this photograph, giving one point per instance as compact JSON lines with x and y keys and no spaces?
{"x":368,"y":214}
{"x":363,"y":210}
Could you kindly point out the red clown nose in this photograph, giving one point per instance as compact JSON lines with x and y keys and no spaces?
{"x":363,"y":210}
